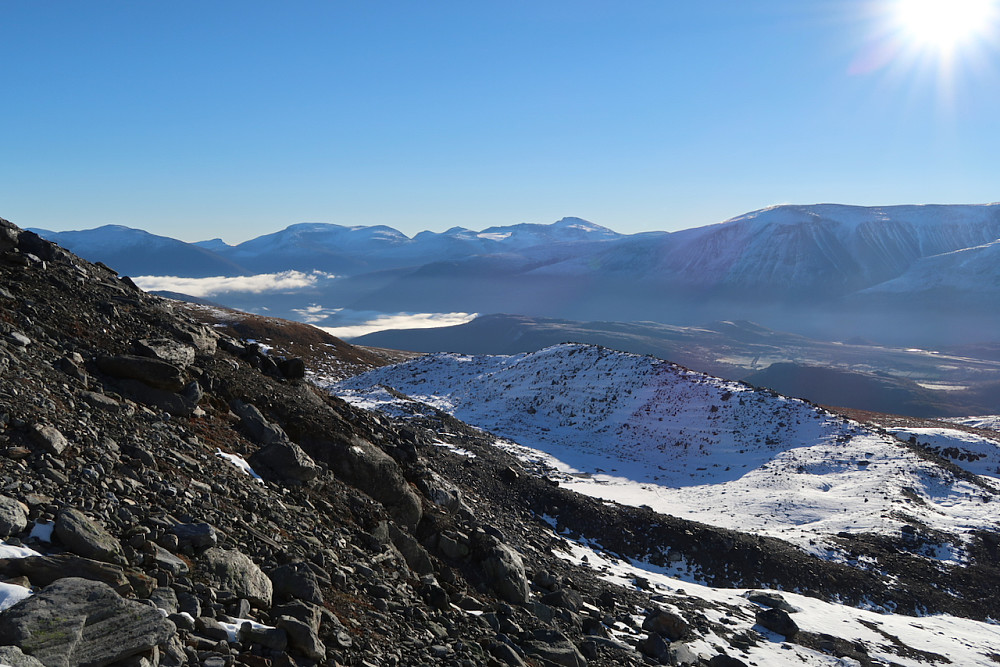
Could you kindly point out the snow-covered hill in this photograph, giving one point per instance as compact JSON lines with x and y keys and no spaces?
{"x":642,"y":431}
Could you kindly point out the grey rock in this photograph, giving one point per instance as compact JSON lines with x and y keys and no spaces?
{"x":238,"y":574}
{"x":151,"y":372}
{"x":309,"y":614}
{"x":555,"y":647}
{"x":302,"y":638}
{"x":504,"y":571}
{"x":506,"y":653}
{"x":167,"y":561}
{"x":296,"y":580}
{"x":86,"y":538}
{"x":195,"y":535}
{"x":13,"y":516}
{"x":256,"y":426}
{"x":777,"y":620}
{"x":211,"y":628}
{"x":81,"y":622}
{"x":166,"y":350}
{"x":681,"y":654}
{"x":374,"y":472}
{"x":49,"y":439}
{"x":414,"y":554}
{"x":19,"y":338}
{"x":165,"y":598}
{"x":100,"y":401}
{"x":723,"y":660}
{"x":11,"y":656}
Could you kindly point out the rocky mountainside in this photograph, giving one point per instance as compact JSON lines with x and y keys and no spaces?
{"x":177,"y":495}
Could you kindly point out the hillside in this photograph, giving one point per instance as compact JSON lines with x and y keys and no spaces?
{"x":175,"y":495}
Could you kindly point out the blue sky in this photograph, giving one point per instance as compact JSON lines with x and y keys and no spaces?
{"x":234,"y":119}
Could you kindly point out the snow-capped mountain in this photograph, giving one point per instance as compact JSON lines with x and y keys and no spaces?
{"x":826,"y":270}
{"x":642,"y":431}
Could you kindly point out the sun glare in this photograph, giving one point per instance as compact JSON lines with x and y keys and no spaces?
{"x":944,"y":25}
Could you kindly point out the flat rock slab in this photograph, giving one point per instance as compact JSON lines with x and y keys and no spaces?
{"x":152,"y":372}
{"x":44,"y":570}
{"x":82,"y":622}
{"x":86,"y":538}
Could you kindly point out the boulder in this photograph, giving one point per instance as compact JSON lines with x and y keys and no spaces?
{"x":777,"y":620}
{"x":503,"y":570}
{"x":13,"y":516}
{"x":86,"y":538}
{"x":177,"y":404}
{"x":236,"y":573}
{"x":565,"y":598}
{"x":151,"y":372}
{"x":11,"y":656}
{"x":255,"y":426}
{"x":284,"y":461}
{"x":555,"y":647}
{"x":166,"y":350}
{"x":44,"y":570}
{"x":49,"y":439}
{"x":81,"y":622}
{"x":195,"y":535}
{"x":302,"y":638}
{"x":297,"y":581}
{"x":666,"y":624}
{"x":770,"y":599}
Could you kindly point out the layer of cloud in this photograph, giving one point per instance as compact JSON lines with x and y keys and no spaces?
{"x":315,"y":313}
{"x":205,"y":287}
{"x":400,"y":321}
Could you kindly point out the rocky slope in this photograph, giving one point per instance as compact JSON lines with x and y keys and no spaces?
{"x":134,"y":533}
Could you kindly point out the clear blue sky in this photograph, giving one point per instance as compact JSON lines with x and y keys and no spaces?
{"x":233,"y":119}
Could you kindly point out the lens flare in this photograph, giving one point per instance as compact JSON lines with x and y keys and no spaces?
{"x":944,"y":25}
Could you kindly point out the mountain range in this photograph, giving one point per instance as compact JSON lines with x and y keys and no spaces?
{"x":829,"y":271}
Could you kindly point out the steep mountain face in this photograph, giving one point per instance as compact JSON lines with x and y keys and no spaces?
{"x":174,"y":495}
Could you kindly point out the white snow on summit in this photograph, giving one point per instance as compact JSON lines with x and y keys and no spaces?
{"x":642,"y":431}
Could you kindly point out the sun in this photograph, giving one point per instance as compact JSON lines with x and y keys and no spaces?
{"x":944,"y":25}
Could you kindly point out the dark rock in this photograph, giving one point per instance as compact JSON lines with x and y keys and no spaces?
{"x":296,"y":580}
{"x":211,"y":628}
{"x":777,"y":620}
{"x":255,"y":426}
{"x":81,"y":622}
{"x":555,"y":647}
{"x":770,"y":599}
{"x":275,"y":639}
{"x":195,"y":535}
{"x":86,"y":538}
{"x":13,"y":516}
{"x":282,"y":461}
{"x":302,"y":638}
{"x":655,"y":647}
{"x":666,"y":623}
{"x":293,"y":369}
{"x":43,"y":570}
{"x":564,"y":598}
{"x":162,"y":399}
{"x":151,"y":372}
{"x":723,"y":660}
{"x":506,"y":653}
{"x":235,"y":572}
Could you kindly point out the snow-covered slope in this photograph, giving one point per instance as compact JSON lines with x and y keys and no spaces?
{"x":823,"y":248}
{"x":640,"y":430}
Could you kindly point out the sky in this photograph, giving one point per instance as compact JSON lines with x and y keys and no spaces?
{"x":233,"y":119}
